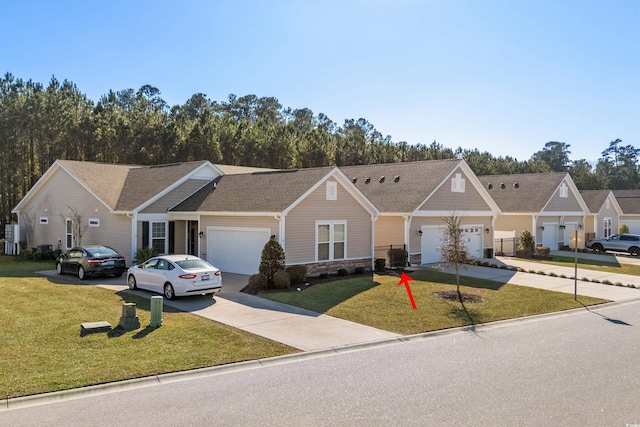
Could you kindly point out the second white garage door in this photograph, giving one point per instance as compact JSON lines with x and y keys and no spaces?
{"x":236,"y":249}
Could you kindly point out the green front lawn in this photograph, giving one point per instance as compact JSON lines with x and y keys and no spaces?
{"x":381,"y":303}
{"x":589,"y":264}
{"x":41,"y":349}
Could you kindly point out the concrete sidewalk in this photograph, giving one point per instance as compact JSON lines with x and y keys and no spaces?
{"x":303,"y":329}
{"x":558,"y":284}
{"x":610,"y":257}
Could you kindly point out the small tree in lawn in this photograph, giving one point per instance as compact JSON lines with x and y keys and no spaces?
{"x":272,"y":259}
{"x":453,"y":251}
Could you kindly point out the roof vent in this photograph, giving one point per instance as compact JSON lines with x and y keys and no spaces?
{"x":367,"y":180}
{"x":516,"y":185}
{"x":489,"y":186}
{"x":354,"y":179}
{"x":381,"y":180}
{"x":502,"y":185}
{"x":396,"y":178}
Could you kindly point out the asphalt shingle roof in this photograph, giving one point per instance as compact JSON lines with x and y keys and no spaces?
{"x":532,"y":192}
{"x":124,"y":187}
{"x":268,"y":191}
{"x":629,"y":201}
{"x":415,"y":182}
{"x":594,"y":199}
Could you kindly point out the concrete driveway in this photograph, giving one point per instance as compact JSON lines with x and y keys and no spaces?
{"x":552,"y":278}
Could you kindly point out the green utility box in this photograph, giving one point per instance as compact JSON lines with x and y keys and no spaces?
{"x":156,"y":311}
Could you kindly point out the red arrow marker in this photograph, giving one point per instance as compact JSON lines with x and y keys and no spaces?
{"x":406,"y":279}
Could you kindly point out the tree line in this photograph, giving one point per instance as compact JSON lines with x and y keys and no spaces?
{"x":40,"y":124}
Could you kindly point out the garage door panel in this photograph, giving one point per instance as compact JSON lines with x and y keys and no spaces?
{"x":550,"y":236}
{"x":432,"y":238}
{"x":236,"y":250}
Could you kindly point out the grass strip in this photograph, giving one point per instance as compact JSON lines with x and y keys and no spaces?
{"x":41,"y":349}
{"x":378,"y":301}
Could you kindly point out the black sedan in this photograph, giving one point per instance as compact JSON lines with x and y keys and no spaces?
{"x":91,"y":261}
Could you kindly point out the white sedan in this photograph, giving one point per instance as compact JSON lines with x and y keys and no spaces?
{"x":175,"y":275}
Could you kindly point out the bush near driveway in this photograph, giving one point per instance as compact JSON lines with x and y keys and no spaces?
{"x":42,"y":351}
{"x":378,"y":301}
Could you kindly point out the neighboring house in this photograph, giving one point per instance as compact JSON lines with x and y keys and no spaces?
{"x":318,"y":216}
{"x":123,"y":206}
{"x":414,"y":197}
{"x":222,"y":213}
{"x":604,"y":213}
{"x":629,"y":201}
{"x":546,"y":204}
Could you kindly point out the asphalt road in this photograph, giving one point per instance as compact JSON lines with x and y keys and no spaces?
{"x":577,"y":369}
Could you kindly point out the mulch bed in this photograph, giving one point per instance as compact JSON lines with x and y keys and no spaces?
{"x":453,"y":296}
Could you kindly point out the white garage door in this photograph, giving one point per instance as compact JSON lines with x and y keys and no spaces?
{"x":430,"y":240}
{"x":236,"y":249}
{"x":472,"y":237}
{"x":550,"y":235}
{"x":634,"y":226}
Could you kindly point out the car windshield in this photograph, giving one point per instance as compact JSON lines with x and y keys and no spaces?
{"x":193,"y":264}
{"x":103,"y":252}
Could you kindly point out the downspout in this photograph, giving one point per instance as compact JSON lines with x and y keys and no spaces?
{"x":374,"y":218}
{"x":534,"y":228}
{"x":134,"y":234}
{"x":280,"y":218}
{"x":407,"y":238}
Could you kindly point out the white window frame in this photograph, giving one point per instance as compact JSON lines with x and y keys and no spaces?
{"x":607,"y":224}
{"x":44,"y":220}
{"x":458,"y":184}
{"x":68,"y":241}
{"x":332,"y":190}
{"x":332,"y":240}
{"x":94,"y":222}
{"x":153,"y":236}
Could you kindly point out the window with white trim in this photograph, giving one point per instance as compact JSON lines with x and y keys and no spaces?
{"x":332,"y":190}
{"x":158,"y":235}
{"x":331,"y":240}
{"x":606,"y":229}
{"x":94,"y":222}
{"x":44,"y":220}
{"x":69,"y":233}
{"x":457,"y":184}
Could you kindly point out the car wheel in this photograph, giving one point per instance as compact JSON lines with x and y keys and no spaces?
{"x":81,"y":273}
{"x":131,"y":281}
{"x":118,"y":274}
{"x":634,"y":251}
{"x":597,"y":248}
{"x":168,"y":291}
{"x":59,"y":269}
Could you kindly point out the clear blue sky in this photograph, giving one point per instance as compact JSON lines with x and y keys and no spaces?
{"x":503,"y":76}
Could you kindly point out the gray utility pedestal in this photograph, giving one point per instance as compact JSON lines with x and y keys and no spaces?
{"x":129,"y":320}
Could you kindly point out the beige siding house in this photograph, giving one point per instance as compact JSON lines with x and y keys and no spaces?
{"x":318,"y":216}
{"x":122,"y":206}
{"x":222,"y":213}
{"x":413,"y":198}
{"x":546,"y":204}
{"x":604,"y":213}
{"x":629,"y":201}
